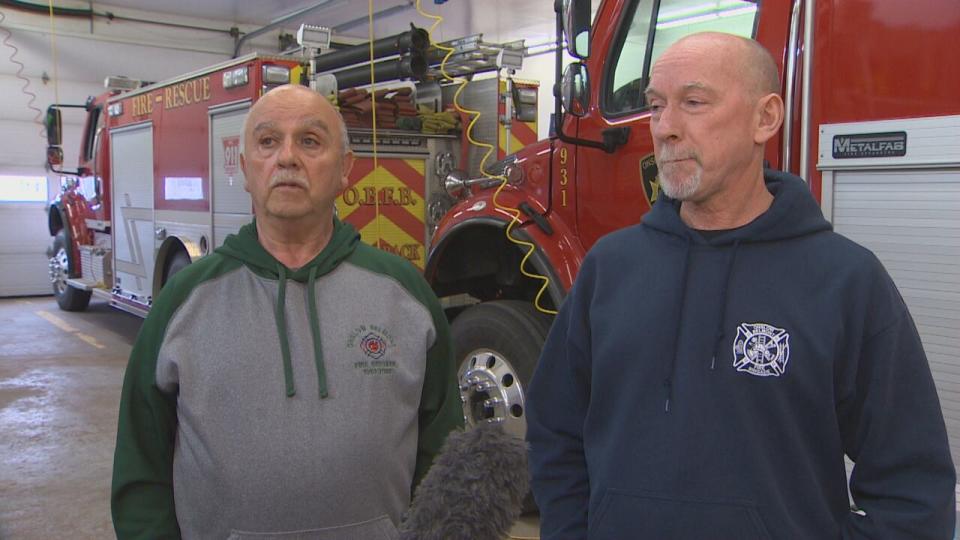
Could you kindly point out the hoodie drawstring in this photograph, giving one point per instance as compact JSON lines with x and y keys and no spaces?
{"x":281,"y":319}
{"x":719,"y":334}
{"x":672,"y":366}
{"x":315,"y":330}
{"x":246,"y":248}
{"x":722,"y":319}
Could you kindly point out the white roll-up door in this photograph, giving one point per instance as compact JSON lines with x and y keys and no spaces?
{"x":911,"y":221}
{"x":24,"y":240}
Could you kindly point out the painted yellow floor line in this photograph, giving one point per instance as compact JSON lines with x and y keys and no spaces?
{"x":56,"y":321}
{"x":63,"y":325}
{"x":90,"y":340}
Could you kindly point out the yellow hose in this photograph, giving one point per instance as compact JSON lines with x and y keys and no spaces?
{"x":373,"y":103}
{"x":513,"y":212}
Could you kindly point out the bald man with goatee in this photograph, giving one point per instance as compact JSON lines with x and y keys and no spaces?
{"x":712,"y":365}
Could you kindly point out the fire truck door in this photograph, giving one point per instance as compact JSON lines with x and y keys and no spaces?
{"x":131,"y":159}
{"x":618,"y":188}
{"x":232,"y":207}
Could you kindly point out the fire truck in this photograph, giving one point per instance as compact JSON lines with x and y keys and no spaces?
{"x":872,"y":94}
{"x":140,"y":207}
{"x":873,"y":125}
{"x":159,"y":184}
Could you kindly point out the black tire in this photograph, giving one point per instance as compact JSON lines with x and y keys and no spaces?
{"x":63,"y":266}
{"x":177,"y":262}
{"x":512,"y":332}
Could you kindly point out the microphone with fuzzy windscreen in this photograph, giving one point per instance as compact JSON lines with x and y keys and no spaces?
{"x":474,"y":490}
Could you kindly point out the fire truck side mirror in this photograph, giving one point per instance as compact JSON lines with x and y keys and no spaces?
{"x":53,"y":124}
{"x":576,"y":27}
{"x":575,"y":89}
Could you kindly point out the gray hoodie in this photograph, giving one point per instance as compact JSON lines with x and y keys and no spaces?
{"x":265,"y":402}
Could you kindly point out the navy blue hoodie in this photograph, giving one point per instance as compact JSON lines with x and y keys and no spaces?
{"x":710,"y":389}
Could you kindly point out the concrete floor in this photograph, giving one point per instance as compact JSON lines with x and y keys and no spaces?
{"x":60,"y":379}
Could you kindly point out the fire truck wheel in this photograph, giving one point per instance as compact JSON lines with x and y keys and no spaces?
{"x":497,"y":345}
{"x":68,"y":298}
{"x":178,"y":262}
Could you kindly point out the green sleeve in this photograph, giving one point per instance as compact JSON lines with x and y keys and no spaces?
{"x":141,"y":498}
{"x":440,"y":408}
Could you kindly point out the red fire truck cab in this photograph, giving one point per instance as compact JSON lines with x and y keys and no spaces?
{"x":871,"y":90}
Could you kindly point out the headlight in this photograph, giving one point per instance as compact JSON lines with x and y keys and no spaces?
{"x":276,"y":74}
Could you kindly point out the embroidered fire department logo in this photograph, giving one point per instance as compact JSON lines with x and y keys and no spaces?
{"x":648,"y":178}
{"x":761,"y":349}
{"x":373,"y":340}
{"x":373,"y":346}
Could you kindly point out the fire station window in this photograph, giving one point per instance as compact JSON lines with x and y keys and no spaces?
{"x":674,"y":20}
{"x":625,"y":80}
{"x":93,"y":125}
{"x":23,"y":189}
{"x":87,"y":186}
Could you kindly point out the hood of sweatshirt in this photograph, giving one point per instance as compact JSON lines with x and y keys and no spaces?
{"x":794,"y":213}
{"x":245,"y":247}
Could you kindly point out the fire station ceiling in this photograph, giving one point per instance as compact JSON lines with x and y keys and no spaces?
{"x":81,"y":58}
{"x":333,"y":12}
{"x":499,"y":20}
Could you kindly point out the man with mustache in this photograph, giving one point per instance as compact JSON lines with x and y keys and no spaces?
{"x":712,"y":365}
{"x":294,"y":382}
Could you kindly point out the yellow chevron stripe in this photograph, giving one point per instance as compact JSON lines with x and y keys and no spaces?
{"x":395,"y":241}
{"x":417,"y":165}
{"x":396,"y":192}
{"x":515,"y":143}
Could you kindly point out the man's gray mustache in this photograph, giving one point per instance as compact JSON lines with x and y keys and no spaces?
{"x":667,"y":156}
{"x":288,"y":178}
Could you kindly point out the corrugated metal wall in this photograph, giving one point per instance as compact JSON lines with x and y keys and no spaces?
{"x":911,"y":220}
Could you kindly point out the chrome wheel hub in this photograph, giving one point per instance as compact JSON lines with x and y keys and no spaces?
{"x":491,"y":392}
{"x":58,"y":270}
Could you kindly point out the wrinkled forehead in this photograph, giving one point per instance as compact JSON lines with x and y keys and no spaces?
{"x":290,"y":123}
{"x":288,"y":118}
{"x":686,"y":72}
